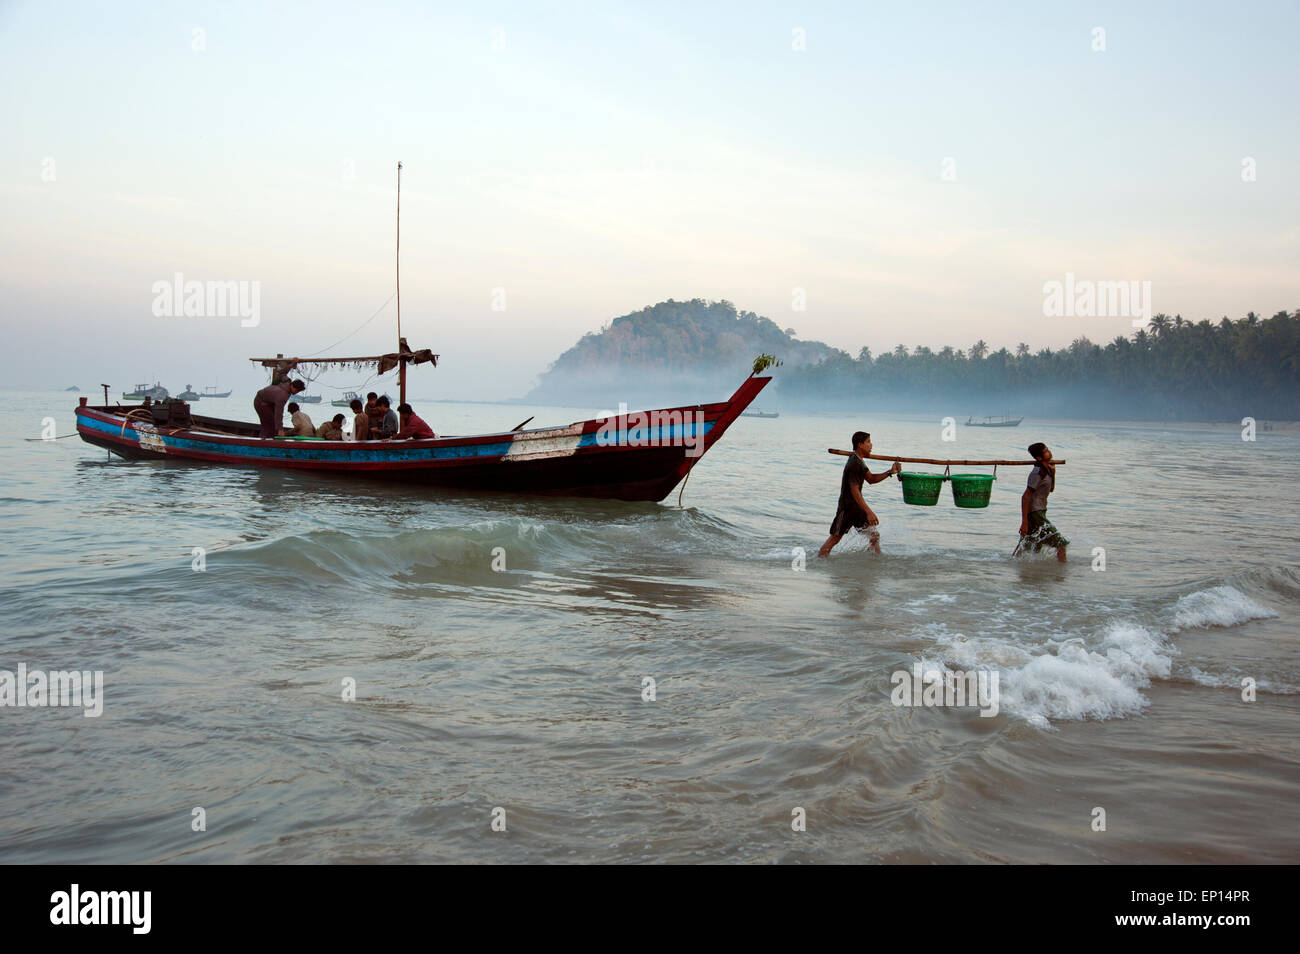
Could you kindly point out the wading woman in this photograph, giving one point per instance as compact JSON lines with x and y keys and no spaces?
{"x":1036,"y":531}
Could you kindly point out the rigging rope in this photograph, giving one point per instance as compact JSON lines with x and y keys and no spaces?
{"x":354,"y":331}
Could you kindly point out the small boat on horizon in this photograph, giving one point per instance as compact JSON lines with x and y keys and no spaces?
{"x":212,"y":392}
{"x":308,"y":398}
{"x":347,"y":399}
{"x":142,"y":391}
{"x":761,"y":414}
{"x":1003,"y":421}
{"x":189,"y":394}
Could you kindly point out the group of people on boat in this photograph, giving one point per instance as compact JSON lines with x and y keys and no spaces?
{"x":374,"y":420}
{"x":1036,"y":531}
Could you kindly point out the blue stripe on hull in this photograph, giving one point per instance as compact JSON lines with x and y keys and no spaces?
{"x":673,"y":434}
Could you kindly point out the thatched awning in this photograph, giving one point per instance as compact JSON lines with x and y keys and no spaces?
{"x":383,"y":362}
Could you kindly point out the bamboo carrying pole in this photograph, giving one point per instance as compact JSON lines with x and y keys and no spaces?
{"x":946,"y":463}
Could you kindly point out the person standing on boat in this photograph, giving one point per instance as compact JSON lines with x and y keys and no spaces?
{"x":360,"y":423}
{"x":853,"y":512}
{"x":1036,"y":531}
{"x":280,"y":375}
{"x":413,"y":427}
{"x":389,"y":424}
{"x":269,"y":404}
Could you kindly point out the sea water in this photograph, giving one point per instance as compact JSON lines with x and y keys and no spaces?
{"x":310,"y":668}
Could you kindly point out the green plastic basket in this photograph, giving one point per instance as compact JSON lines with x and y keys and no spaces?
{"x":921,"y":490}
{"x":972,"y":490}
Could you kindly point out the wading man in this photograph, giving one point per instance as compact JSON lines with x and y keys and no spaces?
{"x":853,"y":512}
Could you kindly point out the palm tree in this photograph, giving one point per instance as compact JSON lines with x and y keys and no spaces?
{"x":1022,"y":350}
{"x":1159,"y":325}
{"x":978,"y":350}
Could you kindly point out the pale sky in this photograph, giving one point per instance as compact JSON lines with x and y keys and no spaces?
{"x":590,"y":159}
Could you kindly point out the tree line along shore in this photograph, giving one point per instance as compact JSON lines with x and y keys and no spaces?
{"x":1170,"y":370}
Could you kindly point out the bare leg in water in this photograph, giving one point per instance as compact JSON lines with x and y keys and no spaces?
{"x":832,"y":540}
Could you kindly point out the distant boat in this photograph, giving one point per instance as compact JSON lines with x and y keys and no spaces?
{"x":73,"y":388}
{"x":306,"y":399}
{"x":347,"y":399}
{"x":1003,"y":421}
{"x":189,"y":394}
{"x":761,"y":414}
{"x":212,"y":392}
{"x":142,"y":391}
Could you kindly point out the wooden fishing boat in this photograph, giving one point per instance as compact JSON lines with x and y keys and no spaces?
{"x":347,"y":399}
{"x":212,"y":392}
{"x":629,"y":456}
{"x":189,"y":394}
{"x":638,"y":456}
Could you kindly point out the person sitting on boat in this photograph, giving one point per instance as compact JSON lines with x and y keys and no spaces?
{"x":302,"y":425}
{"x":375,"y":412}
{"x":413,"y":427}
{"x":331,"y":430}
{"x":360,"y":423}
{"x":269,"y":404}
{"x":389,"y":424}
{"x":1036,"y":531}
{"x":853,"y":512}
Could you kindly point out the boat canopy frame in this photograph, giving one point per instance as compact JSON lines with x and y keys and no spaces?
{"x":383,"y":363}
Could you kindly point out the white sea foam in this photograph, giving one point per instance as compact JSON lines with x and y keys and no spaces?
{"x":1101,"y":676}
{"x":1203,"y":678}
{"x":1232,"y":680}
{"x":1217,"y":606}
{"x":925,"y":604}
{"x":1067,"y":679}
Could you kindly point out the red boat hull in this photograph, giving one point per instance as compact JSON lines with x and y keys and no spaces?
{"x":638,"y":456}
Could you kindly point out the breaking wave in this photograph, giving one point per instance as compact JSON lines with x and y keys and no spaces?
{"x":1217,"y":606}
{"x":1102,"y":675}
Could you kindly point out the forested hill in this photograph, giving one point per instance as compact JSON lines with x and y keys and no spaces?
{"x":1173,"y":369}
{"x":660,"y":349}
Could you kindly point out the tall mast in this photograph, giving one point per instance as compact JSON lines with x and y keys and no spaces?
{"x":399,"y":251}
{"x":401,"y":374}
